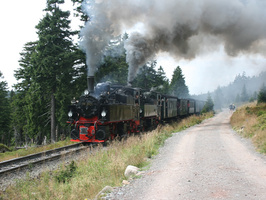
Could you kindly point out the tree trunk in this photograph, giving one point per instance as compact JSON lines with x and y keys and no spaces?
{"x":53,"y":123}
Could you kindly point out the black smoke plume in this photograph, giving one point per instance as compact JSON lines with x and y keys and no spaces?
{"x":183,"y":28}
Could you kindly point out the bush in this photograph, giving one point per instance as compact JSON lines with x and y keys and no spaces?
{"x":3,"y":148}
{"x":65,"y":175}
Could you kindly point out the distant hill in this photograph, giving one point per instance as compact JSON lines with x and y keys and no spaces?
{"x":242,"y":89}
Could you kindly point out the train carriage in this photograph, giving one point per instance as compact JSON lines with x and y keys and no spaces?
{"x":199,"y":106}
{"x":150,"y":109}
{"x":182,"y":107}
{"x":191,"y":106}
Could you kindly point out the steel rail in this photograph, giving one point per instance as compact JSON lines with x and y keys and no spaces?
{"x":38,"y":158}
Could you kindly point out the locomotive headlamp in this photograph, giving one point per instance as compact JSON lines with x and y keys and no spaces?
{"x":86,"y":92}
{"x":103,"y":114}
{"x":70,"y":114}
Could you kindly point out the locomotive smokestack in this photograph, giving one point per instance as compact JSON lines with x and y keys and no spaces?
{"x":129,"y":83}
{"x":90,"y":81}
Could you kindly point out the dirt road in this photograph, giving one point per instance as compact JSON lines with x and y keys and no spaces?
{"x":207,"y":161}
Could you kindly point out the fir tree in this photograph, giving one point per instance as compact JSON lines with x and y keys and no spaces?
{"x":208,"y":105}
{"x":178,"y":86}
{"x":218,"y":98}
{"x":54,"y":57}
{"x":114,"y":67}
{"x":244,"y":95}
{"x":4,"y":112}
{"x":48,"y":73}
{"x":262,"y":94}
{"x":146,"y":76}
{"x":28,"y":103}
{"x":162,"y":81}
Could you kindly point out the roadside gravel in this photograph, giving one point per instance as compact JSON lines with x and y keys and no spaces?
{"x":207,"y":161}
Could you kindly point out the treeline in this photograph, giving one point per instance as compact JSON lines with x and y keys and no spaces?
{"x":53,"y":71}
{"x":242,"y":90}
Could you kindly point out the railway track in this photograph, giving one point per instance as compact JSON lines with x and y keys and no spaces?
{"x":21,"y":165}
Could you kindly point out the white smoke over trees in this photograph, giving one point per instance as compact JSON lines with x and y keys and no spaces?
{"x":183,"y":28}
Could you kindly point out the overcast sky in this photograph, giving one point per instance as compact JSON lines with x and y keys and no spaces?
{"x":18,"y":19}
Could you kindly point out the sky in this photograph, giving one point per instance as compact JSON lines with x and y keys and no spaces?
{"x":18,"y":19}
{"x":203,"y":73}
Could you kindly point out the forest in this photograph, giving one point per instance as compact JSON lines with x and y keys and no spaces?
{"x":243,"y":89}
{"x":53,"y":70}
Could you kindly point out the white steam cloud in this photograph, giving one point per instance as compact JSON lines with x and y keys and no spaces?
{"x":183,"y":28}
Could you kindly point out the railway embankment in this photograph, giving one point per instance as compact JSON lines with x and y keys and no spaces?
{"x":85,"y":178}
{"x":12,"y":153}
{"x":34,"y":164}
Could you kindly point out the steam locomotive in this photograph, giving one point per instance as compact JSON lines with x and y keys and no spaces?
{"x":107,"y":111}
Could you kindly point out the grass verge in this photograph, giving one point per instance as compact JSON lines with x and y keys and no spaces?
{"x":31,"y":150}
{"x":84,"y":179}
{"x":250,"y":121}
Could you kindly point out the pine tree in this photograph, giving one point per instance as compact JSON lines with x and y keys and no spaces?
{"x":18,"y":117}
{"x":146,"y":76}
{"x":208,"y":105}
{"x":52,"y":72}
{"x":79,"y":81}
{"x":79,"y":11}
{"x":244,"y":95}
{"x":114,"y":67}
{"x":262,"y":94}
{"x":54,"y":56}
{"x":218,"y":98}
{"x":237,"y":99}
{"x":4,"y":112}
{"x":178,"y":86}
{"x":162,"y":81}
{"x":29,"y":105}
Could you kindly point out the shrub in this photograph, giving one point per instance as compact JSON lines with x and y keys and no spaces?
{"x":3,"y":148}
{"x":65,"y":175}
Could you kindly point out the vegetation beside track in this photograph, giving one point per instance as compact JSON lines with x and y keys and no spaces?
{"x":250,"y":121}
{"x":31,"y":150}
{"x":84,"y":179}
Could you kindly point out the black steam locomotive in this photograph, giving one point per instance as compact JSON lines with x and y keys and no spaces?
{"x":108,"y":111}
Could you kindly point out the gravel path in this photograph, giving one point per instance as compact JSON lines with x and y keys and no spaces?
{"x":207,"y":161}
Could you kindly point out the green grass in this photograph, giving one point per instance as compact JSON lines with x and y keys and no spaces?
{"x":84,"y":179}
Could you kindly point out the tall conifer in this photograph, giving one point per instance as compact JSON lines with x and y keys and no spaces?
{"x":4,"y":111}
{"x":178,"y":86}
{"x":54,"y":57}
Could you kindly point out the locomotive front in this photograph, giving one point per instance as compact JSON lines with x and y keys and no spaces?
{"x":87,"y":114}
